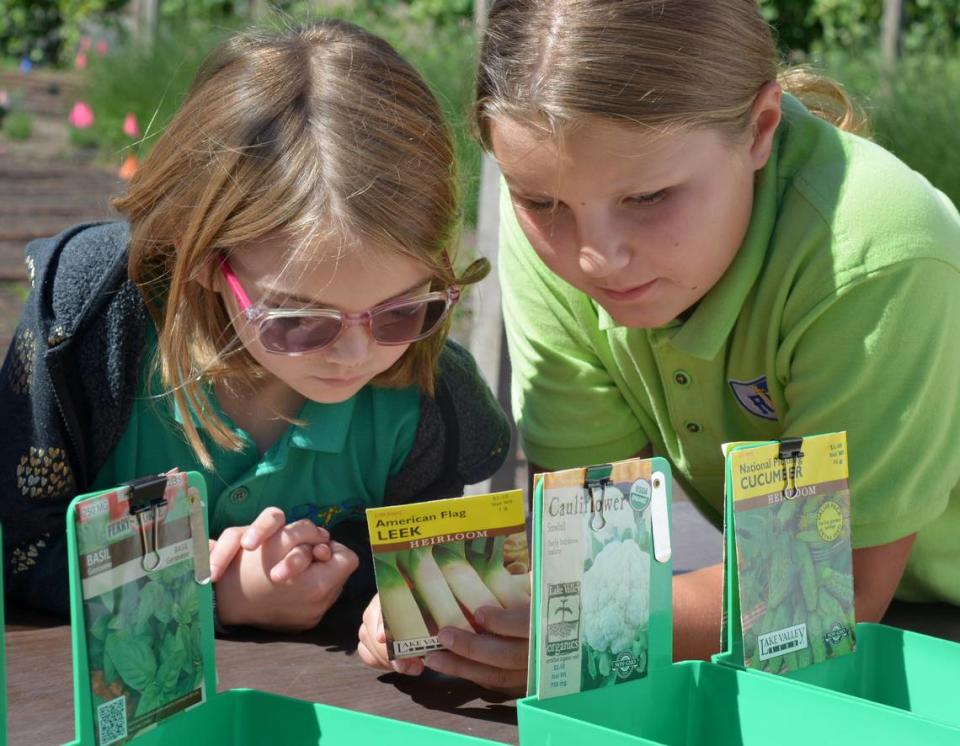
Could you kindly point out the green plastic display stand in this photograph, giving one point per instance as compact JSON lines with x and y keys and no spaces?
{"x":695,"y":703}
{"x":889,"y":667}
{"x":237,"y":717}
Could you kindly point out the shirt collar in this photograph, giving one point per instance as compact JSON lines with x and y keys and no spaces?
{"x":324,"y":426}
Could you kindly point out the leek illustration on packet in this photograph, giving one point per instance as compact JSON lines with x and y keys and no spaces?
{"x":437,"y":563}
{"x":600,"y":530}
{"x":142,"y":554}
{"x":788,"y":515}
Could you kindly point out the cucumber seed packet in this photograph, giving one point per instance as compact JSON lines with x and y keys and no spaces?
{"x":790,"y":522}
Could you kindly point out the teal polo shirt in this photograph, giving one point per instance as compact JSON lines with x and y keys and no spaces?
{"x":841,"y":311}
{"x":329,"y":469}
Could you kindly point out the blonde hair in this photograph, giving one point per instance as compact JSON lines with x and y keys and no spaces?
{"x":322,"y":127}
{"x":655,"y":63}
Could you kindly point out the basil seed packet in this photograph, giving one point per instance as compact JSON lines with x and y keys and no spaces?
{"x":600,"y":532}
{"x":794,"y":563}
{"x":141,"y":607}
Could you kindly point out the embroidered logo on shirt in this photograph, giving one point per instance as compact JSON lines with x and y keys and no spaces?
{"x":754,"y":396}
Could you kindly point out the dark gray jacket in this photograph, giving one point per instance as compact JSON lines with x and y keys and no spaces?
{"x":66,"y":393}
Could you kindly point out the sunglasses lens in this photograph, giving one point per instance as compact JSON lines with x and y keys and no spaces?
{"x":292,"y":334}
{"x":408,"y":322}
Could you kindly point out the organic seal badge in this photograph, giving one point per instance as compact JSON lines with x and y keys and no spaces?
{"x":640,"y":494}
{"x":829,"y":521}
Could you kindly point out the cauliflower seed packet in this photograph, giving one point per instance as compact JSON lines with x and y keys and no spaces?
{"x":789,"y":563}
{"x":602,"y":549}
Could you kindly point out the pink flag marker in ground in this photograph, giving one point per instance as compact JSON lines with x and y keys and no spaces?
{"x":131,"y":128}
{"x":81,"y":115}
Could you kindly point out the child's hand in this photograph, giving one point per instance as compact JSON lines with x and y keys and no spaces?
{"x":495,"y":659}
{"x":373,"y":644}
{"x":306,"y":543}
{"x":247,"y":593}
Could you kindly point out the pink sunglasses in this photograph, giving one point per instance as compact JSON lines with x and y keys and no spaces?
{"x":296,"y":331}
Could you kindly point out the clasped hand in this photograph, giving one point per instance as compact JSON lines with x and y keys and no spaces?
{"x":276,"y":575}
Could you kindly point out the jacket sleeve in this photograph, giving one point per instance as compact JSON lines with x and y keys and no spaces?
{"x":36,"y":477}
{"x":62,"y":395}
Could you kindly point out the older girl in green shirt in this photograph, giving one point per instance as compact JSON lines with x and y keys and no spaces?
{"x":695,"y":249}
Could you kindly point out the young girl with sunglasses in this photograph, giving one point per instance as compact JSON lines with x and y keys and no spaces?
{"x":695,"y":249}
{"x":272,"y":313}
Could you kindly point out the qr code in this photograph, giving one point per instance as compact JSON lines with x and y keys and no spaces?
{"x":112,"y":720}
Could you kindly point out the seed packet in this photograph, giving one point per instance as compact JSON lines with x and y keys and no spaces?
{"x":437,"y":563}
{"x":788,"y":529}
{"x":140,"y":558}
{"x":599,"y":532}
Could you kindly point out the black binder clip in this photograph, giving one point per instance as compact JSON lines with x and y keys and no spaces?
{"x":146,"y":499}
{"x":596,"y":480}
{"x":790,"y":451}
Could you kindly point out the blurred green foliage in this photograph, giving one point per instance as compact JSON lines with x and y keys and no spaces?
{"x":913,"y":111}
{"x":18,"y":126}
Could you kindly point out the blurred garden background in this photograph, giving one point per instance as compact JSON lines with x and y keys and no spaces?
{"x":87,"y":85}
{"x":123,"y":57}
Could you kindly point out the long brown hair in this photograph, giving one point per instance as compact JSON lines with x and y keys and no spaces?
{"x":657,"y":63}
{"x":318,"y":127}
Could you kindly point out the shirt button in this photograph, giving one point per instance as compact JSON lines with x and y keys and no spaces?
{"x":681,"y":378}
{"x":239,"y":495}
{"x":692,"y":427}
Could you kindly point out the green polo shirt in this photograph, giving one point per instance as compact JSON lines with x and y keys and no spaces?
{"x":329,"y":469}
{"x":840,"y":312}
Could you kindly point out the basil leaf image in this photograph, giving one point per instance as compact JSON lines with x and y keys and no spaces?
{"x":133,"y":658}
{"x":151,"y":699}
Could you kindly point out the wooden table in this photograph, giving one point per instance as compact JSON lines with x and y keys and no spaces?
{"x":319,"y":667}
{"x":323,"y":667}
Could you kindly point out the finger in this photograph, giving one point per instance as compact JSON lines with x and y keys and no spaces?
{"x":408,"y":666}
{"x":295,"y":562}
{"x":302,"y":532}
{"x":506,"y":622}
{"x":492,"y":650}
{"x":343,"y":557}
{"x":224,"y":550}
{"x":321,"y":552}
{"x":500,"y":679}
{"x":264,"y":526}
{"x":372,"y":613}
{"x":370,"y":658}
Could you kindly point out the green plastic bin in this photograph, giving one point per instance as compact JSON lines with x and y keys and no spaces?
{"x":893,"y":668}
{"x":695,"y":703}
{"x":244,"y":717}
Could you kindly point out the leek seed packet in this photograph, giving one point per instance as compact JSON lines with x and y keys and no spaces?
{"x":790,"y":522}
{"x":438,"y":562}
{"x":598,"y":534}
{"x":141,"y":607}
